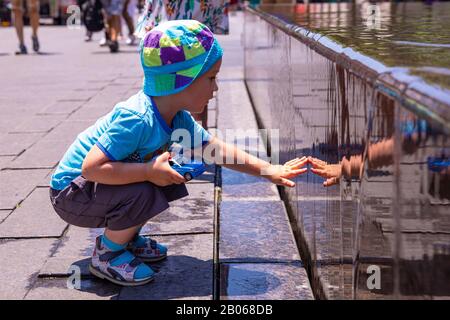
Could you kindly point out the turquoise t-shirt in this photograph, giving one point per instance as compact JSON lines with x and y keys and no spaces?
{"x":134,"y":131}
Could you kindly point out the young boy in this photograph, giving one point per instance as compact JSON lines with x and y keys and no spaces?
{"x":109,"y":177}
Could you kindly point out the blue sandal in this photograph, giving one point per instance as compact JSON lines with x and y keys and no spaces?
{"x":147,"y":249}
{"x":120,"y":267}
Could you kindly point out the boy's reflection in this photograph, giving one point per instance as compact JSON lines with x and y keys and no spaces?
{"x":381,"y":153}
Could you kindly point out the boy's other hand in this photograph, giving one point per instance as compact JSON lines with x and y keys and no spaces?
{"x":161,"y":173}
{"x":331,"y":172}
{"x":281,"y":175}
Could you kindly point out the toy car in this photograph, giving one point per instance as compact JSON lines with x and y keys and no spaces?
{"x":189,"y":170}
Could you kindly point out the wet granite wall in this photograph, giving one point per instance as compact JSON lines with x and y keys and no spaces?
{"x":390,"y":210}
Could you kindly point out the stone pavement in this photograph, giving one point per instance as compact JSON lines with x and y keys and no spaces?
{"x":45,"y":101}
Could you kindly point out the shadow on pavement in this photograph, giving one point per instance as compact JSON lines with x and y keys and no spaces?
{"x":177,"y":277}
{"x":119,"y":52}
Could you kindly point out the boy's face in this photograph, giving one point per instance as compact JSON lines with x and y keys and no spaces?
{"x":202,"y":89}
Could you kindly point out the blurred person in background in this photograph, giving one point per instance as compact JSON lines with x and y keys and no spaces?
{"x":212,"y":13}
{"x":33,"y":11}
{"x":92,"y":16}
{"x":113,"y":11}
{"x":129,"y":10}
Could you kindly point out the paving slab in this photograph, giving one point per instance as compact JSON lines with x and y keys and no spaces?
{"x":45,"y":181}
{"x":24,"y":259}
{"x":15,"y":144}
{"x":203,"y":191}
{"x":255,"y":231}
{"x":61,"y":107}
{"x":68,"y":130}
{"x":16,"y":185}
{"x":237,"y":112}
{"x":91,"y":113}
{"x":75,"y":248}
{"x":110,"y":95}
{"x":185,"y":226}
{"x":90,"y":88}
{"x":264,"y":281}
{"x":126,"y":80}
{"x":192,"y":214}
{"x":5,"y":161}
{"x":4,"y":214}
{"x":207,"y":177}
{"x":77,"y":95}
{"x":34,"y":218}
{"x":38,"y":123}
{"x":44,"y":154}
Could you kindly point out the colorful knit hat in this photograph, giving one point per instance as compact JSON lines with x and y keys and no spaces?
{"x":175,"y":53}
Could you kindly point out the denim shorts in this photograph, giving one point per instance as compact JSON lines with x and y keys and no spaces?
{"x":88,"y":204}
{"x":113,"y":7}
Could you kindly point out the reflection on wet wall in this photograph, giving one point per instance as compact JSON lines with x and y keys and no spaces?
{"x":390,"y":210}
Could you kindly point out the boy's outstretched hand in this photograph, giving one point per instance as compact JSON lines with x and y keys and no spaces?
{"x":282,"y":174}
{"x":331,"y":172}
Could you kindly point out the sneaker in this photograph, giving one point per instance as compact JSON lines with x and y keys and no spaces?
{"x":120,"y":267}
{"x":35,"y":41}
{"x":131,"y":39}
{"x":113,"y":46}
{"x":103,"y":42}
{"x":22,"y":49}
{"x":147,"y":249}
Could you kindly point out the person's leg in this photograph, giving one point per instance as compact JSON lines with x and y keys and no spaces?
{"x":129,"y":208}
{"x":122,"y":236}
{"x":17,"y":8}
{"x":128,"y":20}
{"x":104,"y":41}
{"x":114,"y":24}
{"x":147,"y":198}
{"x":33,"y":9}
{"x":119,"y":28}
{"x":88,"y":36}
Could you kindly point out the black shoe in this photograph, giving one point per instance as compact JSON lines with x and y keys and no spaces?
{"x":113,"y":46}
{"x":35,"y":43}
{"x":22,"y":49}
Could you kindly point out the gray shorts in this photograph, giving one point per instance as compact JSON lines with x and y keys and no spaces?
{"x":87,"y":204}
